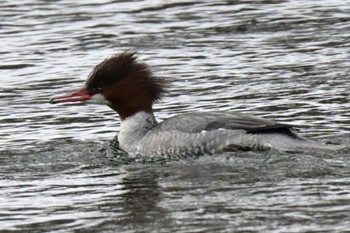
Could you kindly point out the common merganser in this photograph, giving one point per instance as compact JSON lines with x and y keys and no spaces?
{"x":128,"y":87}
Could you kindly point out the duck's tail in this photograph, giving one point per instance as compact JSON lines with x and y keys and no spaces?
{"x":292,"y":141}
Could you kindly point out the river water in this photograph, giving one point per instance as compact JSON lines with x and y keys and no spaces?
{"x":284,"y":60}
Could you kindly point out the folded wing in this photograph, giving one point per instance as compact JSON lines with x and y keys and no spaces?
{"x":210,"y":121}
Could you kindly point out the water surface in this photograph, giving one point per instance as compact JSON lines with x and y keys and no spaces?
{"x":284,"y":60}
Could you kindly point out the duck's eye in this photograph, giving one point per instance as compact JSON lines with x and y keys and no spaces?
{"x":94,"y":90}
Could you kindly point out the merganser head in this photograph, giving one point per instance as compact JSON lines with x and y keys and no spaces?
{"x":127,"y":86}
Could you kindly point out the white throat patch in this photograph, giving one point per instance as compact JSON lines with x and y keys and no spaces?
{"x":98,"y":99}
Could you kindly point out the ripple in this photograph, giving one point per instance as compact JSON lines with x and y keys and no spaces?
{"x":284,"y":60}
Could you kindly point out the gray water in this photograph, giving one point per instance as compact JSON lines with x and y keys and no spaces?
{"x":284,"y":60}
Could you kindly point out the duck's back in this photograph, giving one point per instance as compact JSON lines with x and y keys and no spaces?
{"x":200,"y":122}
{"x":213,"y":132}
{"x":208,"y":132}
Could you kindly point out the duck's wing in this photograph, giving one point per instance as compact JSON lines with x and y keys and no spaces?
{"x":209,"y":121}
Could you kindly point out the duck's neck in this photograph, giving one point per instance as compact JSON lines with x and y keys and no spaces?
{"x":132,"y":96}
{"x":134,"y":127}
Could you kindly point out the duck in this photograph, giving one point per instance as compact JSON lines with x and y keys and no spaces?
{"x":129,"y":87}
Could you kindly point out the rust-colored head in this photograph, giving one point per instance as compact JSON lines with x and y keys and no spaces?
{"x":127,"y":85}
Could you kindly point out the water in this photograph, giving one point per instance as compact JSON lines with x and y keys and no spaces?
{"x":285,"y":60}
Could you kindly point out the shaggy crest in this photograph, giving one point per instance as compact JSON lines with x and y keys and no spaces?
{"x":121,"y":66}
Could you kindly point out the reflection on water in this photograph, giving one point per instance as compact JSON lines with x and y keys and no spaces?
{"x":71,"y":189}
{"x":285,"y":60}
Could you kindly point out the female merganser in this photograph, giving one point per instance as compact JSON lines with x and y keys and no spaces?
{"x":129,"y":88}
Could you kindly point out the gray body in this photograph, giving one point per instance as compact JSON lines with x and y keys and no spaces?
{"x":206,"y":133}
